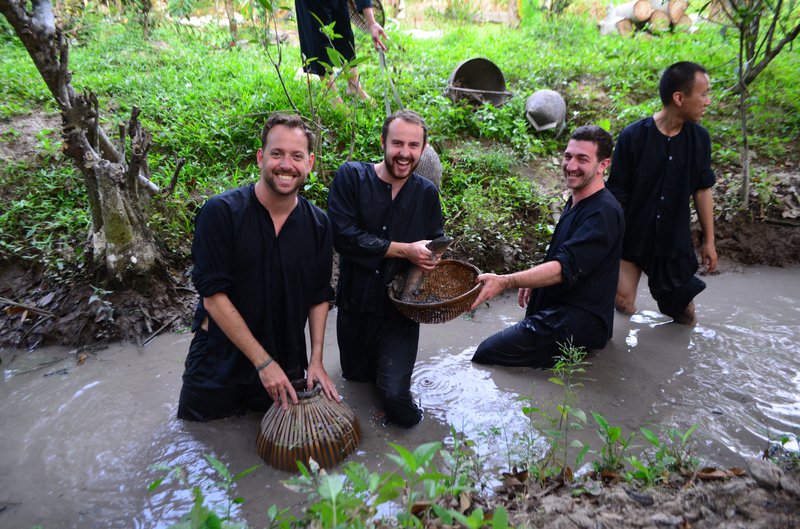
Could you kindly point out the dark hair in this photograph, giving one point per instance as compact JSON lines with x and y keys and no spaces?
{"x":678,"y":78}
{"x":408,"y":116}
{"x":597,"y":135}
{"x":292,"y":121}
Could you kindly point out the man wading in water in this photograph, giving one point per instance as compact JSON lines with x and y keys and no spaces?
{"x":262,"y":266}
{"x":658,"y":163}
{"x":570,"y":296}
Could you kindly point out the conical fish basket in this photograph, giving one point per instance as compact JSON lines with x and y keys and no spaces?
{"x":315,"y":427}
{"x":358,"y":20}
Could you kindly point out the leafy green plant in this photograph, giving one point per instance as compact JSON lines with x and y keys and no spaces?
{"x":556,"y":428}
{"x":672,"y":454}
{"x":612,"y":452}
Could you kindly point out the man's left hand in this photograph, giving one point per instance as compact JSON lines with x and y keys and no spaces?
{"x":317,"y":373}
{"x":708,"y":254}
{"x":378,"y":36}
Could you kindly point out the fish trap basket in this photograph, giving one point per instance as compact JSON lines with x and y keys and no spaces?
{"x":358,"y":20}
{"x":315,"y":427}
{"x":445,"y":293}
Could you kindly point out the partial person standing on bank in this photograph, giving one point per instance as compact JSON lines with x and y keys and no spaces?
{"x":314,"y":44}
{"x":262,"y":266}
{"x":383,"y":215}
{"x":569,"y":298}
{"x":659,"y":163}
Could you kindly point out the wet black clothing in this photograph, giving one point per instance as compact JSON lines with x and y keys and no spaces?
{"x":272,"y":281}
{"x":580,"y":310}
{"x":313,"y":43}
{"x":653,"y":176}
{"x":365,"y":220}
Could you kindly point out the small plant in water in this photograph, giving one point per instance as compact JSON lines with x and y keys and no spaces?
{"x":612,"y":453}
{"x":556,"y":428}
{"x":201,"y":516}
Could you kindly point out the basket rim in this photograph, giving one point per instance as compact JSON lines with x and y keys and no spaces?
{"x":448,"y":302}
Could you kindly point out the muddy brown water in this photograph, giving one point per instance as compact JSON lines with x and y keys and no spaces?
{"x":78,"y":440}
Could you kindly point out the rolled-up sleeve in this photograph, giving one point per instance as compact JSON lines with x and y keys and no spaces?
{"x":586,"y":249}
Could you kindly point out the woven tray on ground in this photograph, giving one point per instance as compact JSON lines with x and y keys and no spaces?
{"x":444,"y":294}
{"x":358,"y":20}
{"x":315,"y":427}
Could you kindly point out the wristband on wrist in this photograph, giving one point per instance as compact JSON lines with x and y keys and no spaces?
{"x":267,"y":362}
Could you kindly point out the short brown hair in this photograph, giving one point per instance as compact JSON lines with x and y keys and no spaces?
{"x":408,"y":116}
{"x":292,"y":121}
{"x":597,"y":135}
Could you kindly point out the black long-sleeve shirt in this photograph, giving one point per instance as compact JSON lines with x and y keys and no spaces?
{"x":653,"y":176}
{"x":587,"y":243}
{"x":273,"y":281}
{"x":366,"y":220}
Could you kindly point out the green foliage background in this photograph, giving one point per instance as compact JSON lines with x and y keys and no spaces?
{"x":205,"y":99}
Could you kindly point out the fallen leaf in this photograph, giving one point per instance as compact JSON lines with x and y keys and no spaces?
{"x":420,"y":507}
{"x":464,"y":502}
{"x":82,"y":358}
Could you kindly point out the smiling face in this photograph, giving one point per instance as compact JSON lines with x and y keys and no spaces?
{"x":285,"y":161}
{"x":402,"y":148}
{"x":580,"y":166}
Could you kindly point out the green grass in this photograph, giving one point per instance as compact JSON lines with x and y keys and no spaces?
{"x":205,"y":101}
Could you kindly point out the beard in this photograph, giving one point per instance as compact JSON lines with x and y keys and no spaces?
{"x":584,"y":179}
{"x":284,"y":188}
{"x":392,"y":169}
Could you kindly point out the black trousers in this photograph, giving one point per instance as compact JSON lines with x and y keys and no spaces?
{"x":313,"y":44}
{"x":672,"y":282}
{"x":203,"y":398}
{"x":537,"y":340}
{"x":381,"y":349}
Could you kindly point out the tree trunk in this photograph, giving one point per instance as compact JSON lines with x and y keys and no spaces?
{"x":659,"y":21}
{"x":513,"y":13}
{"x":231,"y":20}
{"x":122,"y":248}
{"x":641,"y":11}
{"x":683,"y":24}
{"x":676,"y":9}
{"x":743,"y":95}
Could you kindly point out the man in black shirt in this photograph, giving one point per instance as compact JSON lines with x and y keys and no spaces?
{"x":262,"y":266}
{"x":659,"y":162}
{"x":383,"y":215}
{"x":570,"y":296}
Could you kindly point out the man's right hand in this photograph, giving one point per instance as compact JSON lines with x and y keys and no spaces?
{"x":277,"y":384}
{"x":419,"y":254}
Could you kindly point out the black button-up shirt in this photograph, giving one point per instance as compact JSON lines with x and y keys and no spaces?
{"x":653,"y":176}
{"x":273,"y":281}
{"x":366,"y":220}
{"x":587,"y":242}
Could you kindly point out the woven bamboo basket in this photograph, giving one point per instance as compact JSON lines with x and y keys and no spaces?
{"x":315,"y":427}
{"x":445,"y":293}
{"x":358,"y":20}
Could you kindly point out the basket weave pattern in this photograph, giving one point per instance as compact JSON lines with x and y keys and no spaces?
{"x":358,"y":20}
{"x":315,"y":427}
{"x":445,"y":293}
